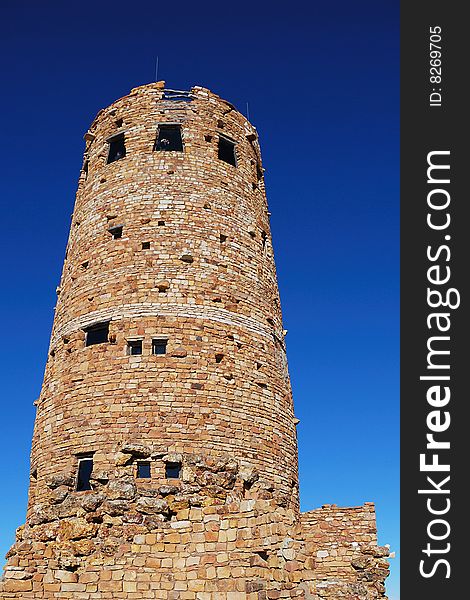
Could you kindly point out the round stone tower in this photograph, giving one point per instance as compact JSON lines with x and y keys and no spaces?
{"x":164,"y":458}
{"x":168,"y":330}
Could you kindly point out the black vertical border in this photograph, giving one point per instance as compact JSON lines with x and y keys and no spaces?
{"x":425,"y":129}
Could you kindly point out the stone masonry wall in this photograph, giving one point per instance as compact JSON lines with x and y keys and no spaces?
{"x":348,"y":562}
{"x":192,"y":265}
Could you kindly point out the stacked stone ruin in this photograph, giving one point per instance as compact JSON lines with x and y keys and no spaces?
{"x":167,"y":379}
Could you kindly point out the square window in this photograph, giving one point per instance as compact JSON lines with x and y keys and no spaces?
{"x":227,"y":151}
{"x":134,"y":347}
{"x":169,"y":138}
{"x":159,"y":346}
{"x":116,"y":232}
{"x":172,"y":470}
{"x":85,"y":468}
{"x":145,"y":245}
{"x":97,"y":334}
{"x":117,"y":148}
{"x":143,"y":470}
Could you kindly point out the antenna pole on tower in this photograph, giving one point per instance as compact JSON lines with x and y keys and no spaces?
{"x":156,"y":69}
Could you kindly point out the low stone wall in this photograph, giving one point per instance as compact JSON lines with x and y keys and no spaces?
{"x":343,"y":541}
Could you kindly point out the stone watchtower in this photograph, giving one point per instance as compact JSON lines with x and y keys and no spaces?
{"x":164,"y":458}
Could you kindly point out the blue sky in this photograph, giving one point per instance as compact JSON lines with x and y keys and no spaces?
{"x":322,"y":83}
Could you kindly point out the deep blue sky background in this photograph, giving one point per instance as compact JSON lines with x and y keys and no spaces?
{"x":321,"y":79}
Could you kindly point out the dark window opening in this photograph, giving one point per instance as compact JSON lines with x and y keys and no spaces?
{"x":264,"y":237}
{"x":119,"y":123}
{"x":259,"y":172}
{"x":97,"y":334}
{"x":172,"y":470}
{"x":85,"y":168}
{"x":145,"y":245}
{"x":116,"y":232}
{"x":143,"y":470}
{"x":227,"y":151}
{"x":134,"y":347}
{"x":169,"y":138}
{"x":159,"y":346}
{"x":218,"y":358}
{"x":161,"y":223}
{"x":177,"y":95}
{"x":223,"y":238}
{"x":85,"y":468}
{"x":117,"y":148}
{"x":85,"y":264}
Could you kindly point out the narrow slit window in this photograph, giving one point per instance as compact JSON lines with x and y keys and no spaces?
{"x":169,"y":138}
{"x":172,"y":470}
{"x":159,"y":346}
{"x":116,"y":232}
{"x":117,"y":148}
{"x":97,"y":334}
{"x":85,"y":468}
{"x":264,"y":237}
{"x":143,"y":470}
{"x":227,"y":151}
{"x":134,"y":347}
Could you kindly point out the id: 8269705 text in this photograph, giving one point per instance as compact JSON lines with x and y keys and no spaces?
{"x":435,"y":66}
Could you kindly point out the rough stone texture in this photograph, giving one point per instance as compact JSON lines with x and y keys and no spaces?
{"x":194,"y":266}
